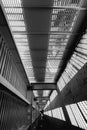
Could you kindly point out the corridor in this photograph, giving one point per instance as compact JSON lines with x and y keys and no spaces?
{"x":43,"y":64}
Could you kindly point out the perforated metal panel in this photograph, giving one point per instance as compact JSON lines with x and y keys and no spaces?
{"x":8,"y":69}
{"x":13,"y":112}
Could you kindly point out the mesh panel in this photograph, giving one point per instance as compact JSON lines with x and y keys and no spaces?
{"x":13,"y":112}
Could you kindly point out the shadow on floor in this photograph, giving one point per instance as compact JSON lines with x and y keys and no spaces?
{"x":49,"y":123}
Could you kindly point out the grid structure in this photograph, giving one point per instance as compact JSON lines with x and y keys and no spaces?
{"x":63,"y":18}
{"x":76,"y":62}
{"x":15,"y":17}
{"x":13,"y":112}
{"x":56,"y":113}
{"x":8,"y":69}
{"x":62,"y":21}
{"x":78,"y":114}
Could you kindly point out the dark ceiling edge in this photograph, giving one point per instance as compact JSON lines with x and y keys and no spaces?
{"x":32,"y":87}
{"x":13,"y":40}
{"x":43,"y":83}
{"x":80,"y":28}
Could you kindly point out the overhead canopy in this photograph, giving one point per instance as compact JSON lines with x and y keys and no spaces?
{"x":42,"y":31}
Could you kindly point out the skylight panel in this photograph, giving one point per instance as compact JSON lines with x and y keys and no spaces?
{"x":85,"y":36}
{"x":83,"y":45}
{"x":19,"y":29}
{"x":55,"y":113}
{"x":11,"y":3}
{"x":21,"y":43}
{"x":75,"y":64}
{"x":80,"y":59}
{"x":68,"y":76}
{"x":17,"y":23}
{"x":52,"y":40}
{"x":25,"y":53}
{"x":62,"y":22}
{"x":14,"y":12}
{"x":46,"y":93}
{"x":81,"y":56}
{"x":24,"y":40}
{"x":58,"y":113}
{"x":71,"y":67}
{"x":83,"y":107}
{"x":84,"y":40}
{"x":69,"y":73}
{"x":78,"y":116}
{"x":52,"y":64}
{"x":67,"y":3}
{"x":71,"y":116}
{"x":81,"y":50}
{"x":22,"y":48}
{"x":49,"y":80}
{"x":20,"y":36}
{"x":13,"y":17}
